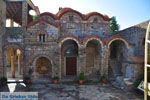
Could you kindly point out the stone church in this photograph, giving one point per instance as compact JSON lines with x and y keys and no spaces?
{"x":66,"y":44}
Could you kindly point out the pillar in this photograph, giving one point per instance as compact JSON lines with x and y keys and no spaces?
{"x":12,"y":67}
{"x":11,"y":23}
{"x":19,"y":64}
{"x":24,"y":13}
{"x":81,"y":60}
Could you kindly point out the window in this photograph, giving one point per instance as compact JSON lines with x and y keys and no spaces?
{"x":71,"y":18}
{"x":42,"y":38}
{"x":95,"y":20}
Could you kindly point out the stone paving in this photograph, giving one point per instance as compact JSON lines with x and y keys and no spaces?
{"x":74,"y":91}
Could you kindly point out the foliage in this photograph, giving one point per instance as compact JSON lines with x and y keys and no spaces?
{"x":3,"y":79}
{"x":55,"y":78}
{"x":114,"y":27}
{"x":27,"y":78}
{"x":30,"y":71}
{"x":82,"y":76}
{"x":103,"y":76}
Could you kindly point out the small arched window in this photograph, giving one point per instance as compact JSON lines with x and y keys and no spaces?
{"x":71,"y":18}
{"x":41,"y":37}
{"x":95,"y":20}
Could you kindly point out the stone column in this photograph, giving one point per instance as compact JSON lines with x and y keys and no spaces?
{"x":12,"y":67}
{"x":19,"y":64}
{"x":2,"y":31}
{"x":104,"y":63}
{"x":81,"y":60}
{"x":24,"y":13}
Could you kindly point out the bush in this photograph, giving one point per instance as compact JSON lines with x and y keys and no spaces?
{"x":3,"y":81}
{"x":82,"y":76}
{"x":55,"y":78}
{"x":27,"y":80}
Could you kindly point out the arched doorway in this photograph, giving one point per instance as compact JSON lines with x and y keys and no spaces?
{"x":118,"y":54}
{"x":69,"y":56}
{"x":43,"y":67}
{"x":93,"y":58}
{"x":14,"y":63}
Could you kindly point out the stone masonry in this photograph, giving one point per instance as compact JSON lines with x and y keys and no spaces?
{"x":71,"y":43}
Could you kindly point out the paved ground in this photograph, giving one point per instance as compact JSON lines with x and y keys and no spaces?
{"x":74,"y":91}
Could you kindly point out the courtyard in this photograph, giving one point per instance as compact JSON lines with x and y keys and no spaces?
{"x":73,"y":91}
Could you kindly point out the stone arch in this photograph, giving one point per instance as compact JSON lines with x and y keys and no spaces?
{"x":122,"y":39}
{"x":93,"y":48}
{"x":93,"y":37}
{"x":69,"y":53}
{"x":45,"y":72}
{"x":13,"y":57}
{"x":69,"y":37}
{"x":8,"y":46}
{"x":117,"y":56}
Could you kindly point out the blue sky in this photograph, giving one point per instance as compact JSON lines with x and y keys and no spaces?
{"x":127,"y":12}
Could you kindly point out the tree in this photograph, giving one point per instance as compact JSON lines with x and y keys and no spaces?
{"x":114,"y":27}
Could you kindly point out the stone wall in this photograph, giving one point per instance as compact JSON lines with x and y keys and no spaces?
{"x":80,"y":28}
{"x":2,"y":31}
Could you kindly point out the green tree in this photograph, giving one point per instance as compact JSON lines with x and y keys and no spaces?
{"x":113,"y":25}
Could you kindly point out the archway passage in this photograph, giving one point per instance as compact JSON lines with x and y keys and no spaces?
{"x":117,"y":56}
{"x":14,"y":63}
{"x":69,"y":54}
{"x":43,"y":67}
{"x":93,"y":61}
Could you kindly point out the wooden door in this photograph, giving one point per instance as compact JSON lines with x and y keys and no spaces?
{"x":71,"y":63}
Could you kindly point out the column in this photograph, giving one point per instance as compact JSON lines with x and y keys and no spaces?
{"x":81,"y":60}
{"x":24,"y":13}
{"x":19,"y":64}
{"x":11,"y":23}
{"x":12,"y":67}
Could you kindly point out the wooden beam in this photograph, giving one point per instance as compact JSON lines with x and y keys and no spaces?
{"x":15,"y":0}
{"x":146,"y":62}
{"x":11,"y":23}
{"x":31,"y":4}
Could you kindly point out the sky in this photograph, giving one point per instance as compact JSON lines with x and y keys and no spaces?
{"x":127,"y":12}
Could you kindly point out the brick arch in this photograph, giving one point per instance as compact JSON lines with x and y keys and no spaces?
{"x":41,"y":21}
{"x":105,"y":17}
{"x":66,"y":10}
{"x":93,"y":37}
{"x":118,"y":37}
{"x":49,"y":14}
{"x":69,"y":37}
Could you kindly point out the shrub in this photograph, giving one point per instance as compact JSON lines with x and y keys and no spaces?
{"x":55,"y":78}
{"x":82,"y":76}
{"x":3,"y":81}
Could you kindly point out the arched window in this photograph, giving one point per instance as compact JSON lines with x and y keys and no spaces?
{"x":41,"y":38}
{"x":95,"y":20}
{"x":71,"y":18}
